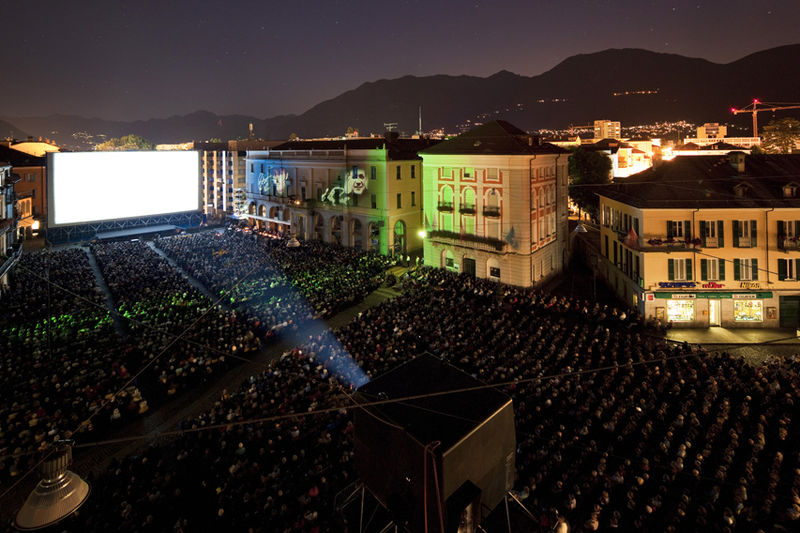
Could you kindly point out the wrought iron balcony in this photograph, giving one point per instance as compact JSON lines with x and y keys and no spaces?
{"x":467,"y":209}
{"x":445,"y":206}
{"x":489,"y":211}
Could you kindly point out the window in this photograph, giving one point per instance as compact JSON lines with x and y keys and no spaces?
{"x":790,"y":191}
{"x":788,"y":269}
{"x":711,"y":233}
{"x":468,"y":173}
{"x":398,"y":172}
{"x":373,"y":201}
{"x":679,"y":229}
{"x":399,"y":200}
{"x":744,"y":233}
{"x":303,"y":192}
{"x":679,"y":269}
{"x":373,"y":173}
{"x":745,"y":269}
{"x":712,"y":269}
{"x":251,"y":167}
{"x":680,"y":310}
{"x":447,"y":172}
{"x":748,"y":310}
{"x":413,"y":197}
{"x":492,"y":174}
{"x":494,"y":272}
{"x":605,"y":247}
{"x":413,"y":171}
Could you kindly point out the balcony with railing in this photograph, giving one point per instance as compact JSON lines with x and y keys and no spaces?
{"x":786,"y":243}
{"x":672,"y":244}
{"x":491,"y":211}
{"x":478,"y":242}
{"x":445,"y":206}
{"x":467,"y":209}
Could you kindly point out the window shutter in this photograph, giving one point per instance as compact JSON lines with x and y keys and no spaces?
{"x":636,"y":225}
{"x":703,"y":235}
{"x":736,"y":275}
{"x":796,"y":228}
{"x":669,"y":229}
{"x":721,"y":267}
{"x":689,"y":270}
{"x":781,"y":269}
{"x":781,"y":229}
{"x":703,"y":269}
{"x":720,"y":240}
{"x":687,"y":229}
{"x":754,"y":262}
{"x":736,"y":233}
{"x":753,"y":239}
{"x":670,"y":269}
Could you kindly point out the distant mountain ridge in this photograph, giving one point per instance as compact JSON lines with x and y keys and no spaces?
{"x":633,"y":86}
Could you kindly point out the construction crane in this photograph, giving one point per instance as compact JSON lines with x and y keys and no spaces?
{"x":764,"y":106}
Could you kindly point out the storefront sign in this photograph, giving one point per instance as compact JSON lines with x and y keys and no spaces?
{"x":677,"y":284}
{"x":683,"y":296}
{"x":749,"y":285}
{"x":746,"y":296}
{"x":713,"y":295}
{"x":713,"y":285}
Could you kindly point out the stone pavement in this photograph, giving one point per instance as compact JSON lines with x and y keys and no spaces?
{"x":712,"y":336}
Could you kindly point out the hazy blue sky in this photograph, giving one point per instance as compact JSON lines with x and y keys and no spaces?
{"x":137,"y":60}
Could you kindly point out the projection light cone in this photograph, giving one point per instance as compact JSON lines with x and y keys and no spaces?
{"x":58,"y":494}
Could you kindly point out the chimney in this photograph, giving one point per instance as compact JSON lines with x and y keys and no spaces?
{"x":736,"y":160}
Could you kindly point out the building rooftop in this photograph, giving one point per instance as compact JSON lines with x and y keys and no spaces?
{"x":397,"y":148}
{"x":735,"y":180}
{"x":446,"y":418}
{"x":20,"y":159}
{"x":495,"y":138}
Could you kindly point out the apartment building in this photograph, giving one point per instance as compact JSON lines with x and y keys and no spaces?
{"x":707,"y":241}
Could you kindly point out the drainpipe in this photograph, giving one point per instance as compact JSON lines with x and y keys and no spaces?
{"x":766,"y":240}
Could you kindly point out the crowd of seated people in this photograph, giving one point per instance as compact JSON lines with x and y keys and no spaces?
{"x":276,"y":283}
{"x":61,"y":358}
{"x":615,"y":430}
{"x":161,"y":303}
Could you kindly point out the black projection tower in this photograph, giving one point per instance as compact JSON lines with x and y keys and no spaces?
{"x":449,"y":456}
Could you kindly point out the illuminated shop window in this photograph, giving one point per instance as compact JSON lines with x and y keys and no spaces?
{"x":680,"y":310}
{"x":748,"y":310}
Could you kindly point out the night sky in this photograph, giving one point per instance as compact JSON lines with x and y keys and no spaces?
{"x":144,"y":59}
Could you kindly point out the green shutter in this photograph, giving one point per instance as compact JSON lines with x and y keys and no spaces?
{"x":753,"y":239}
{"x":781,"y":229}
{"x":781,"y":269}
{"x":688,"y":270}
{"x":687,"y":229}
{"x":736,"y":233}
{"x":720,"y":227}
{"x":721,"y":266}
{"x":754,"y":262}
{"x":796,"y":228}
{"x":736,"y":275}
{"x":703,"y":268}
{"x":671,"y":269}
{"x":703,"y":233}
{"x":669,"y":229}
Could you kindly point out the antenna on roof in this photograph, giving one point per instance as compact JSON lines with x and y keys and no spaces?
{"x":390,"y":126}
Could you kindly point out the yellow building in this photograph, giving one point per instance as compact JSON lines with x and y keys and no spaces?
{"x":496,"y":205}
{"x":707,"y":241}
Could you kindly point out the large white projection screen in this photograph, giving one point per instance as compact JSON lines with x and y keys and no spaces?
{"x":95,"y":186}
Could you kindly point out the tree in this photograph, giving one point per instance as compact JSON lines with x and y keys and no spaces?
{"x":781,"y":136}
{"x":587,"y":168}
{"x":126,"y":143}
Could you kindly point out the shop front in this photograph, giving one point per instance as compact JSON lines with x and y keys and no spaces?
{"x":676,"y":303}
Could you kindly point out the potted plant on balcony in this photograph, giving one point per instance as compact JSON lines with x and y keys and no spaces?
{"x":655,"y":242}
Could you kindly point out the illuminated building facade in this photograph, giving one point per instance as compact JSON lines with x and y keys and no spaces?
{"x":364,"y":193}
{"x":607,"y":129}
{"x":495,"y":202}
{"x":9,"y":250}
{"x":707,"y":241}
{"x":30,"y":190}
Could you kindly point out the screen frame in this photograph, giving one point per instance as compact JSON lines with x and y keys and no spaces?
{"x":51,"y":206}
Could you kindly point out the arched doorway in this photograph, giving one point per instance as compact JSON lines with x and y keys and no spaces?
{"x":400,"y":239}
{"x":252,"y":210}
{"x":262,"y":212}
{"x":319,"y":227}
{"x":447,"y":260}
{"x":374,"y":242}
{"x":287,"y":217}
{"x":358,"y":237}
{"x":273,"y":213}
{"x":336,"y":229}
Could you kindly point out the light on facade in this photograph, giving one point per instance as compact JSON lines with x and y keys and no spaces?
{"x":422,"y":233}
